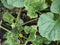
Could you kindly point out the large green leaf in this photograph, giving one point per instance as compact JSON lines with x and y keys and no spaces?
{"x":8,"y":17}
{"x":16,"y":3}
{"x":48,"y":27}
{"x":6,"y":4}
{"x":55,"y":7}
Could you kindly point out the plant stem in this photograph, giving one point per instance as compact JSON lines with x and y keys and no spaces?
{"x":18,"y":17}
{"x":30,"y":21}
{"x":5,"y":29}
{"x":57,"y":42}
{"x":24,"y":37}
{"x":25,"y":42}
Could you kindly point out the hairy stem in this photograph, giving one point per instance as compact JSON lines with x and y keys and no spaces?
{"x":30,"y":21}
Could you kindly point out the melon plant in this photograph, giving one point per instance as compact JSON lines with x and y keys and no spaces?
{"x":47,"y":14}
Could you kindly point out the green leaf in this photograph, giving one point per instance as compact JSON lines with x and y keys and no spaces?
{"x":32,"y":37}
{"x":55,"y":7}
{"x":19,"y":22}
{"x":36,"y":5}
{"x":27,"y":29}
{"x":32,"y":14}
{"x":8,"y":17}
{"x":12,"y":39}
{"x":6,"y":4}
{"x":32,"y":6}
{"x":19,"y":25}
{"x":48,"y":27}
{"x":16,"y":3}
{"x":46,"y":41}
{"x":30,"y":29}
{"x":40,"y":40}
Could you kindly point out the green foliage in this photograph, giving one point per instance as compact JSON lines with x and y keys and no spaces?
{"x":19,"y":25}
{"x":55,"y":7}
{"x":48,"y":23}
{"x":40,"y":40}
{"x":35,"y":5}
{"x":48,"y":27}
{"x":32,"y":14}
{"x":32,"y":30}
{"x":35,"y":39}
{"x":12,"y":36}
{"x":6,"y":4}
{"x":10,"y":4}
{"x":15,"y":3}
{"x":8,"y":17}
{"x":12,"y":39}
{"x":32,"y":6}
